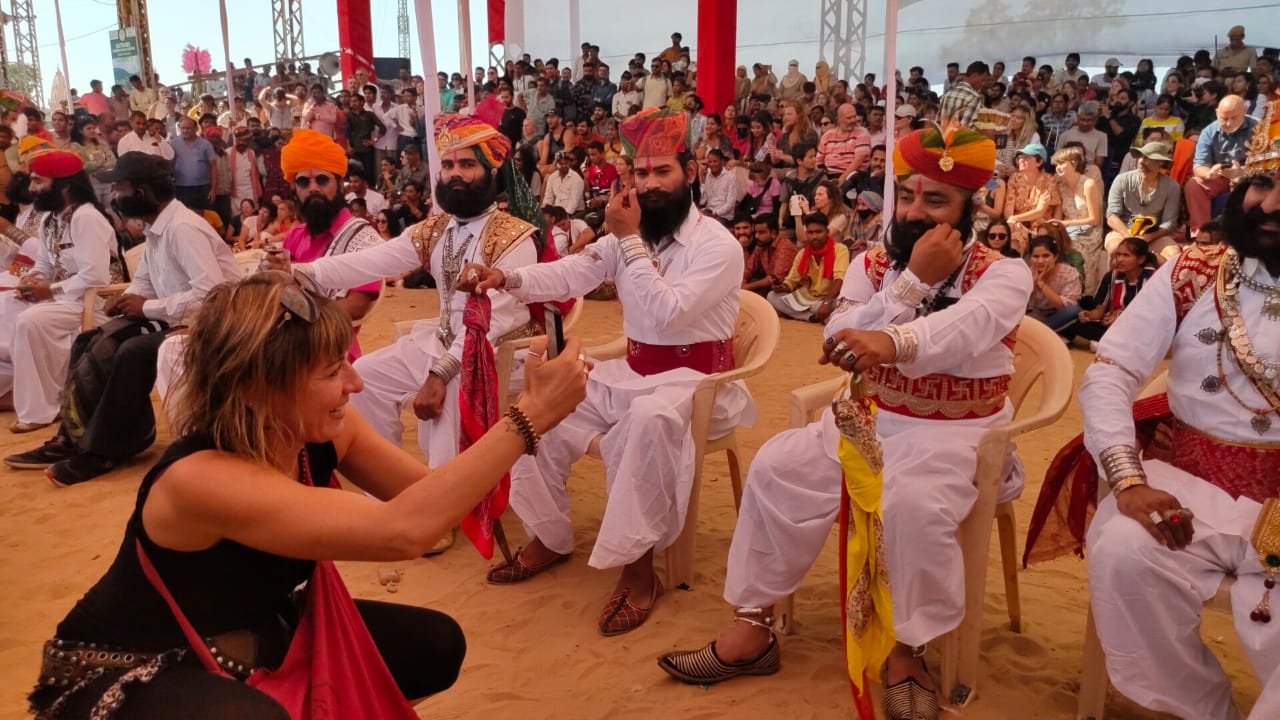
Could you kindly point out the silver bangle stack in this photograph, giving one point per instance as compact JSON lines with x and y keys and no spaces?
{"x":906,"y":343}
{"x":446,"y":368}
{"x":1121,"y":462}
{"x":909,"y":293}
{"x":633,"y":249}
{"x":512,"y":279}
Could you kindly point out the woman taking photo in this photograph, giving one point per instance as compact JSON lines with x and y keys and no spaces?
{"x":1057,"y":285}
{"x":264,"y":410}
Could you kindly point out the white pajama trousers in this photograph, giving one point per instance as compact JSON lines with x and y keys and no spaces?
{"x":1147,"y":601}
{"x":792,"y":497}
{"x":33,"y":361}
{"x":648,"y":454}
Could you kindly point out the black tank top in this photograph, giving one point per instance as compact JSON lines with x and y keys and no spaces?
{"x":222,"y":588}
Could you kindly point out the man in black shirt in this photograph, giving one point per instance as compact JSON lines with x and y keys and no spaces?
{"x":1121,"y":127}
{"x":512,"y":116}
{"x":363,"y":128}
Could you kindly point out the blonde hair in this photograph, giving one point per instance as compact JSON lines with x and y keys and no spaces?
{"x":244,"y":349}
{"x":802,"y":126}
{"x":1028,"y":127}
{"x":1073,"y":156}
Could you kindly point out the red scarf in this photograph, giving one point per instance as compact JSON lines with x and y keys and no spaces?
{"x":827,"y":255}
{"x":478,"y":411}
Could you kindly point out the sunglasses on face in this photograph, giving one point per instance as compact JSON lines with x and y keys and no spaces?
{"x":998,"y":236}
{"x":382,"y":221}
{"x":303,"y":182}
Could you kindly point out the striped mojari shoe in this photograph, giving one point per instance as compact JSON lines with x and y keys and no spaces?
{"x":909,"y":700}
{"x":704,"y":667}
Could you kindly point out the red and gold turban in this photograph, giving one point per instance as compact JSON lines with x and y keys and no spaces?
{"x":308,"y":150}
{"x":963,"y":158}
{"x":656,"y":132}
{"x":459,"y":132}
{"x":56,"y":164}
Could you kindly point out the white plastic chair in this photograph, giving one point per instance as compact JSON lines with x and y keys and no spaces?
{"x":88,"y":317}
{"x":755,"y":338}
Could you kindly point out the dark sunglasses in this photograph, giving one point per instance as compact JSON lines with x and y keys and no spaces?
{"x":303,"y":182}
{"x":998,"y":236}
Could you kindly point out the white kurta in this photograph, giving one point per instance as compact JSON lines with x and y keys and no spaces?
{"x":792,"y":493}
{"x":1147,"y":599}
{"x":393,"y":375}
{"x":647,"y":449}
{"x":10,"y":305}
{"x":40,"y":346}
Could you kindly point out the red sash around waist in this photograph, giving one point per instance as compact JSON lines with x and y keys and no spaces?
{"x":936,"y":397}
{"x":708,"y":357}
{"x":1249,"y":470}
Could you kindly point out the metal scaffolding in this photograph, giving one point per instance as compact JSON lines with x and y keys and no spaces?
{"x":842,"y":39}
{"x":402,"y":28}
{"x":4,"y":51}
{"x":286,"y":16}
{"x":133,"y":14}
{"x":25,"y":48}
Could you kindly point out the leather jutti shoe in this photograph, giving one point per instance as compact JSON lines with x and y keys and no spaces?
{"x":620,"y":616}
{"x":518,"y":571}
{"x":704,"y":667}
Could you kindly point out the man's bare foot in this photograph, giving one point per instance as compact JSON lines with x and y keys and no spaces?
{"x":638,"y":578}
{"x":535,"y":554}
{"x":743,"y":642}
{"x":902,"y":665}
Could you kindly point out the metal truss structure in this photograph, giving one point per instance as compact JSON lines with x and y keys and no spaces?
{"x":286,"y":17}
{"x":25,"y":48}
{"x":842,"y":38}
{"x":402,"y":28}
{"x":133,"y":14}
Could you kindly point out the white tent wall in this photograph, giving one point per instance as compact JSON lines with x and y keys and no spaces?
{"x":930,"y":32}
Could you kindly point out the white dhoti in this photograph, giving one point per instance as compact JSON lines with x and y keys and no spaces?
{"x":793,"y":304}
{"x":1147,"y":601}
{"x":792,"y":497}
{"x":37,"y":355}
{"x":648,"y":454}
{"x":10,"y":308}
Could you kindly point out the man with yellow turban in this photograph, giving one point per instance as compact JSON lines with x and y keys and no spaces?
{"x":928,"y":320}
{"x":421,"y":369}
{"x":677,"y":273}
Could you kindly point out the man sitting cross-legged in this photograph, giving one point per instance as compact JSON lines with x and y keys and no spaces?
{"x":677,"y":273}
{"x":929,"y":319}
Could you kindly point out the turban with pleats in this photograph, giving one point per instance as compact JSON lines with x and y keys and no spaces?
{"x":459,"y":132}
{"x":962,"y":158}
{"x":307,"y":150}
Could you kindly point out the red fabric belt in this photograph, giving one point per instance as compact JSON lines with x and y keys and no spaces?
{"x":936,"y":397}
{"x":708,"y":357}
{"x":1249,"y":470}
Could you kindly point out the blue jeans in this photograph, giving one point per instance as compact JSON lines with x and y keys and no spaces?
{"x":1058,"y":320}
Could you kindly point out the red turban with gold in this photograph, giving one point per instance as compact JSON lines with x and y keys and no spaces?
{"x":656,"y":132}
{"x":56,"y":164}
{"x":962,"y":158}
{"x":459,"y":132}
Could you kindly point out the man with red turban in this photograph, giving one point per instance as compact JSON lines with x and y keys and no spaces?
{"x":677,"y":272}
{"x":42,"y":316}
{"x":928,"y":320}
{"x":422,"y":368}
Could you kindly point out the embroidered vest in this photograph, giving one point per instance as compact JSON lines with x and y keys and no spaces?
{"x":1194,"y":271}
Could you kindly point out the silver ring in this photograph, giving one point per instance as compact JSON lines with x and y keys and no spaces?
{"x":840,"y":349}
{"x":1156,"y":517}
{"x":851,"y":358}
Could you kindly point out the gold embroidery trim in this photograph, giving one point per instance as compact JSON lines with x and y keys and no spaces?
{"x":933,"y":395}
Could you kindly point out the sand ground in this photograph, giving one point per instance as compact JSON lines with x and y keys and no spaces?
{"x":533,"y":649}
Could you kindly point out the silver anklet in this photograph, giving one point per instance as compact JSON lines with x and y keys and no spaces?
{"x":743,"y":614}
{"x":918,"y":651}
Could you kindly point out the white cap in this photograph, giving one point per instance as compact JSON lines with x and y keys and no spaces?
{"x":905,"y":110}
{"x":1112,"y":62}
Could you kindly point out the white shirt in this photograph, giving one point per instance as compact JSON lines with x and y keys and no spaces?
{"x":145,"y":144}
{"x":391,"y":134}
{"x":565,"y":192}
{"x":693,"y":299}
{"x":656,"y":91}
{"x":242,"y":182}
{"x":720,"y":193}
{"x":83,"y":252}
{"x":183,"y":260}
{"x":398,"y":256}
{"x":624,"y":101}
{"x":1137,"y":343}
{"x":962,"y":340}
{"x":402,"y":116}
{"x":372,"y":200}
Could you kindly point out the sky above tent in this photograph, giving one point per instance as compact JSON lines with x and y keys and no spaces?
{"x":931,"y":32}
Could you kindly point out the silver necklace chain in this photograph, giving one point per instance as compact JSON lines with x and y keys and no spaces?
{"x":451,"y":266}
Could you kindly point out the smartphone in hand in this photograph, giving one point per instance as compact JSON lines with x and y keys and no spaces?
{"x":554,"y":323}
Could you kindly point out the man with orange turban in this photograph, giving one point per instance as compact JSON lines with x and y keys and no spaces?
{"x":928,"y":320}
{"x":677,"y":273}
{"x":42,"y":315}
{"x":422,"y":367}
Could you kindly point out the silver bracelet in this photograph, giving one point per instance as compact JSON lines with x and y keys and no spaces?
{"x":446,"y":368}
{"x":905,"y":342}
{"x":633,"y":249}
{"x":1120,"y":462}
{"x":512,"y":279}
{"x":909,"y":293}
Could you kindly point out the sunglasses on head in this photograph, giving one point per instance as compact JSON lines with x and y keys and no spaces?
{"x":298,"y":303}
{"x":303,"y":182}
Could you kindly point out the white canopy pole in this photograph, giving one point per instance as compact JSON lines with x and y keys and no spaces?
{"x":575,"y":34}
{"x":431,"y":99}
{"x":890,"y":107}
{"x":62,"y":47}
{"x":226,"y":57}
{"x":464,"y":42}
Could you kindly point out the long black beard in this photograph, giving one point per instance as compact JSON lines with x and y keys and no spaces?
{"x":1243,"y":232}
{"x":319,"y":212}
{"x":49,"y":201}
{"x":661,"y":212}
{"x":904,"y":234}
{"x":467,"y":200}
